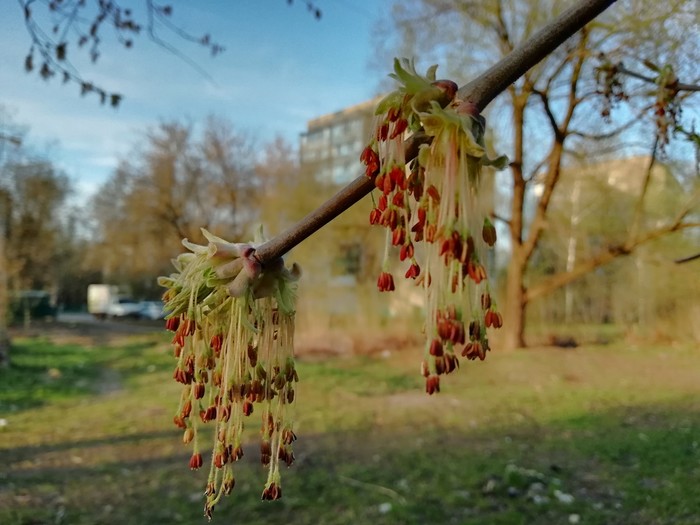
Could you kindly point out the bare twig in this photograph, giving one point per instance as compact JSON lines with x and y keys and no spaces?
{"x":480,"y":91}
{"x":687,"y":259}
{"x":679,"y":86}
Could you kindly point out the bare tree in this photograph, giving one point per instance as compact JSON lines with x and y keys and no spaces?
{"x":549,"y":109}
{"x":181,"y":180}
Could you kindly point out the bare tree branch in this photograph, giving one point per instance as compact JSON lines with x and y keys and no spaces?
{"x":560,"y":133}
{"x":612,"y":252}
{"x":481,"y":91}
{"x":679,"y":86}
{"x":633,"y":239}
{"x":605,"y":136}
{"x":51,"y":47}
{"x":687,"y":259}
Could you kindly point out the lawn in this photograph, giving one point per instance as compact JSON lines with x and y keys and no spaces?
{"x":596,"y":435}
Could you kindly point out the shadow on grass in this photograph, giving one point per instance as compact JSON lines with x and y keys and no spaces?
{"x":41,"y":372}
{"x":17,"y":455}
{"x":632,"y":465}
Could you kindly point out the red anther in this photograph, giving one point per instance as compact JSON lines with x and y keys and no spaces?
{"x":379,"y":181}
{"x":430,"y":232}
{"x":186,"y":409}
{"x":433,"y":193}
{"x":369,"y":156}
{"x":457,"y":335}
{"x":399,"y":127}
{"x":488,"y":233}
{"x":224,"y":413}
{"x":179,"y":338}
{"x":436,"y":348}
{"x":374,"y":216}
{"x":398,"y":199}
{"x":393,"y":219}
{"x":372,"y":171}
{"x":208,"y":415}
{"x":196,"y":461}
{"x":480,"y":350}
{"x":371,"y":159}
{"x":216,"y":343}
{"x":496,"y":319}
{"x":198,"y":390}
{"x":432,"y":384}
{"x":444,"y":329}
{"x":413,"y":271}
{"x":446,"y":249}
{"x":272,"y":492}
{"x":398,"y":236}
{"x":383,"y":202}
{"x":172,"y":323}
{"x":393,"y":114}
{"x":451,"y":363}
{"x":485,"y":301}
{"x":189,"y":327}
{"x":397,"y":174}
{"x":385,"y":282}
{"x":383,"y":132}
{"x":476,"y":271}
{"x":388,"y":185}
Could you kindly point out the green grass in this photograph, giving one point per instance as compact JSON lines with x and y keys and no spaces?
{"x":608,"y":435}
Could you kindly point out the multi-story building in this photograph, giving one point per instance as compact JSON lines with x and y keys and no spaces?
{"x":332,"y":144}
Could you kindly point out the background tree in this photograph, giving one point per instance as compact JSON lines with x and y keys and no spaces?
{"x":550,"y":110}
{"x":184,"y":178}
{"x":37,"y":225}
{"x":38,"y":193}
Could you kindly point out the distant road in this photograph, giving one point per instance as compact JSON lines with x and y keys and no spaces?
{"x":75,"y":317}
{"x":116,"y":325}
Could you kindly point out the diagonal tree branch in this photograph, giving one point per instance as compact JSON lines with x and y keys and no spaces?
{"x":634,"y":239}
{"x":610,"y":254}
{"x":481,"y":91}
{"x":679,"y":86}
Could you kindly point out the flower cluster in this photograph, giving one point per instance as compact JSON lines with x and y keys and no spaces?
{"x":233,"y":325}
{"x":431,"y":208}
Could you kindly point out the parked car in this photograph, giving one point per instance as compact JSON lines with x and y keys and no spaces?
{"x":124,"y":307}
{"x":152,"y":310}
{"x":31,"y":304}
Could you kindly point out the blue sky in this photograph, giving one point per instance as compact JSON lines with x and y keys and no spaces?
{"x":281,"y":68}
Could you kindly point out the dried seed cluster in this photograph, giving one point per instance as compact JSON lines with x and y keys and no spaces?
{"x":433,"y":214}
{"x":233,"y":341}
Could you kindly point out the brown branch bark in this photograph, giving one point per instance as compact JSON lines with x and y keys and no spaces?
{"x":613,"y":252}
{"x":687,"y":259}
{"x":560,"y":131}
{"x":481,"y":91}
{"x":680,"y":86}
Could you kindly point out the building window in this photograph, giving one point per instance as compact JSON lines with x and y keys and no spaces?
{"x":348,"y":260}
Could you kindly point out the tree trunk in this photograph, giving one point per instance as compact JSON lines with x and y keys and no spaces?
{"x":514,"y":311}
{"x":515,"y":303}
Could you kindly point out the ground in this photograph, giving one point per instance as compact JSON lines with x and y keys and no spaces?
{"x":606,"y":434}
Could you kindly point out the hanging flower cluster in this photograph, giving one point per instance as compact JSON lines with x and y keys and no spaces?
{"x":433,"y":201}
{"x":234,"y":331}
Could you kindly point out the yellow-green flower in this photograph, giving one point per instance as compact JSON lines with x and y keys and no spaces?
{"x":234,"y":344}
